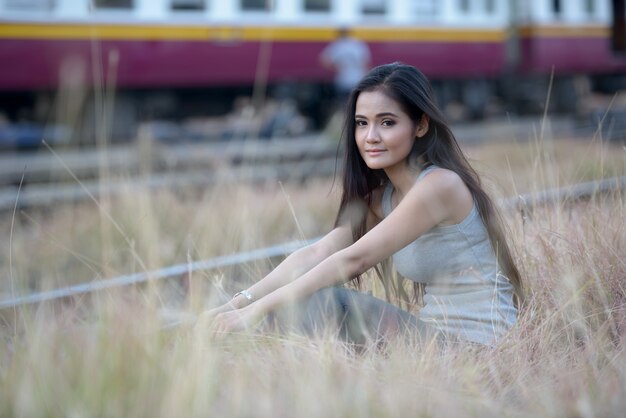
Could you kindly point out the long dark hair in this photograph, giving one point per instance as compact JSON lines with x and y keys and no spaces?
{"x":412,"y":90}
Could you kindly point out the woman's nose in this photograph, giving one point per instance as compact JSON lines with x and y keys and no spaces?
{"x":372,"y":135}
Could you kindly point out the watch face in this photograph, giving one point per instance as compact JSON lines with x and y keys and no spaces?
{"x":244,"y":293}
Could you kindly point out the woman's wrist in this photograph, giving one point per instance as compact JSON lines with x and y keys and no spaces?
{"x":241,"y":299}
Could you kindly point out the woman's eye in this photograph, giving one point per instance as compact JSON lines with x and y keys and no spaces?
{"x":360,"y":122}
{"x":388,"y":122}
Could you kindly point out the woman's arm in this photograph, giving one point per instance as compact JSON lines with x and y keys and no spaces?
{"x":294,"y":266}
{"x":297,"y":264}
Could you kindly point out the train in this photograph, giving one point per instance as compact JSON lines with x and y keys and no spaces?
{"x":165,"y":59}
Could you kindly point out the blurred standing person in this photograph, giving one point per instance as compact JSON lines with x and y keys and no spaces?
{"x":350,"y":59}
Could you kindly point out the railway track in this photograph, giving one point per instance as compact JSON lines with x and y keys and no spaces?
{"x":48,"y":178}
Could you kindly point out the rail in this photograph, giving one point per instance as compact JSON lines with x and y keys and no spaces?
{"x":152,"y":166}
{"x":41,"y":166}
{"x":37,"y":195}
{"x":164,"y":273}
{"x":522,"y":203}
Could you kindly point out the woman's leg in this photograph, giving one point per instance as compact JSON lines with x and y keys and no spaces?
{"x":357,"y":317}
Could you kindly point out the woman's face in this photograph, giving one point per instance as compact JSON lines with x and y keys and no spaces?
{"x":384,"y":133}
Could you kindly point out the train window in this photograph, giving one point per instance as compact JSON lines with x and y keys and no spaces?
{"x":425,"y":8}
{"x":257,"y":5}
{"x":188,"y":5}
{"x":469,"y":6}
{"x":490,"y":6}
{"x":317,"y":5}
{"x":464,"y":5}
{"x":113,"y":4}
{"x":373,"y":7}
{"x":35,"y":5}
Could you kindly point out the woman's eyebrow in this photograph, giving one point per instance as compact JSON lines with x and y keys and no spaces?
{"x":378,"y":115}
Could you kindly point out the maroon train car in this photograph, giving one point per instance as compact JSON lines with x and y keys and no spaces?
{"x":168,"y":57}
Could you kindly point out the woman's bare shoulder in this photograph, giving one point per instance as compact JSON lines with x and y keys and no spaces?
{"x":451,"y":193}
{"x":448,"y":183}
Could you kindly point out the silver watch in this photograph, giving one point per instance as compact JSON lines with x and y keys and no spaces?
{"x":244,"y":293}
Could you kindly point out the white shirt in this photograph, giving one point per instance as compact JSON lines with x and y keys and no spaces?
{"x":351,"y":58}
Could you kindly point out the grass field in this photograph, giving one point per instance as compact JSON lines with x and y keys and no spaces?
{"x":106,"y":355}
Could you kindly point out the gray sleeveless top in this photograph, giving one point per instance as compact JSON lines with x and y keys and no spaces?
{"x":465,"y":293}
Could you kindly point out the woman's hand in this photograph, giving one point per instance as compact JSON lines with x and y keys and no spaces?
{"x":223,"y":320}
{"x":234,"y":321}
{"x":206,"y":319}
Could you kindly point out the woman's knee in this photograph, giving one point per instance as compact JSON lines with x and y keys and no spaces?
{"x":313,"y":314}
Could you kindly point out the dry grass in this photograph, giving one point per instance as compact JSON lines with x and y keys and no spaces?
{"x":108,"y":357}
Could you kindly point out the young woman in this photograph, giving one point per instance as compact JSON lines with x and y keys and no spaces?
{"x":410,"y":194}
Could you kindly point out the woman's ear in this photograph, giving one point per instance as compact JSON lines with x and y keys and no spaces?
{"x":422,"y":127}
